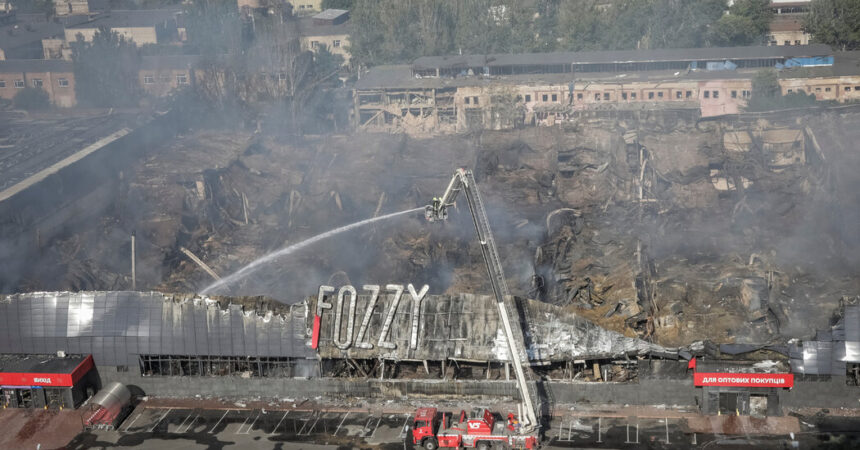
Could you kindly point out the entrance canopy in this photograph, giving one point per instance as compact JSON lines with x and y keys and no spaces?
{"x":32,"y":370}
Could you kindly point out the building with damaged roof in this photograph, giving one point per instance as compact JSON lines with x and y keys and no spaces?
{"x":463,"y":92}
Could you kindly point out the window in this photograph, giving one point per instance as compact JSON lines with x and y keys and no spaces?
{"x":746,"y":94}
{"x":689,"y":94}
{"x":2,"y":83}
{"x":597,"y":97}
{"x":623,"y":96}
{"x":716,"y":94}
{"x":544,"y":97}
{"x":707,"y":94}
{"x":37,"y":82}
{"x":660,"y":94}
{"x":148,"y":79}
{"x":467,"y":100}
{"x":182,"y":79}
{"x":847,"y":88}
{"x":335,"y":43}
{"x":650,"y":95}
{"x":579,"y":95}
{"x":796,"y":42}
{"x":19,"y":84}
{"x":826,"y":89}
{"x":315,"y":44}
{"x":677,"y":94}
{"x":857,"y":88}
{"x":63,"y":82}
{"x":282,"y":76}
{"x":818,"y":89}
{"x":790,"y":91}
{"x":787,"y":42}
{"x":555,"y":97}
{"x":633,"y":95}
{"x":528,"y":98}
{"x":606,"y":95}
{"x":734,"y":94}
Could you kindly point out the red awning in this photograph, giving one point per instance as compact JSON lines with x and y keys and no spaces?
{"x":47,"y":379}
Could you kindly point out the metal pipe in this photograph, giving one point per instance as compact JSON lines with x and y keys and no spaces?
{"x":133,"y":271}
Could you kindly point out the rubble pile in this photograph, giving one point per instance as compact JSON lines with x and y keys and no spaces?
{"x":739,"y":229}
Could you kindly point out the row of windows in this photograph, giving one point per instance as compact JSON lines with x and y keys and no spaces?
{"x":37,"y":83}
{"x":607,"y":96}
{"x":335,"y":43}
{"x":827,"y":89}
{"x":211,"y":366}
{"x":180,"y":79}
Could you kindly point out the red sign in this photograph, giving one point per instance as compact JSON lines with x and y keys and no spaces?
{"x":47,"y":379}
{"x":782,"y":380}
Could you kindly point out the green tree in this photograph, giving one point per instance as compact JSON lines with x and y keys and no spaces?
{"x":767,"y":94}
{"x":32,"y":99}
{"x":835,"y":22}
{"x":106,"y":70}
{"x":213,"y":26}
{"x":337,"y":4}
{"x":747,"y":23}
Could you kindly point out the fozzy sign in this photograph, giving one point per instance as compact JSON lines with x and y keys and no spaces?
{"x":343,"y":306}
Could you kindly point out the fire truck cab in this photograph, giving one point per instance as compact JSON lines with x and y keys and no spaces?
{"x":480,"y":429}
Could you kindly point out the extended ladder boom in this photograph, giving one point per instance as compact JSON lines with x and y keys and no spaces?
{"x":464,"y":180}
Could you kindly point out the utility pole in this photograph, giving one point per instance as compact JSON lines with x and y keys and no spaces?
{"x":133,"y":273}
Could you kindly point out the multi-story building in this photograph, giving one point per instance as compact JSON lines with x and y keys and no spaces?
{"x":158,"y":26}
{"x":330,"y":29}
{"x":786,"y":28}
{"x":458,"y":93}
{"x":160,"y":75}
{"x":55,"y":77}
{"x":71,"y":7}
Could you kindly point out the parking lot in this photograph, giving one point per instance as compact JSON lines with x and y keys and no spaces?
{"x":181,"y":428}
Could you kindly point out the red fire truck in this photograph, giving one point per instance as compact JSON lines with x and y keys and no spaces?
{"x":481,"y":430}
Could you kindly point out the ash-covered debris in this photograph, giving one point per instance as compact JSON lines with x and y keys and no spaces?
{"x":467,"y":327}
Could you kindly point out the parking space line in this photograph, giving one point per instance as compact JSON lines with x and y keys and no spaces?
{"x":188,"y":427}
{"x":159,"y":420}
{"x":212,"y":431}
{"x":179,"y":428}
{"x":135,"y":419}
{"x":404,"y":429}
{"x":280,"y":422}
{"x":250,"y":426}
{"x":305,"y":424}
{"x":376,"y":427}
{"x":341,"y":423}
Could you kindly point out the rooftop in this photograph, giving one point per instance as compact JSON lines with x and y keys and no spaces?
{"x":39,"y":363}
{"x":35,"y":65}
{"x":623,"y":56}
{"x":130,"y":18}
{"x":308,"y":28}
{"x":330,"y":14}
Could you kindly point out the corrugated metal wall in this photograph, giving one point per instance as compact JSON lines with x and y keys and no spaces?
{"x":115,"y":327}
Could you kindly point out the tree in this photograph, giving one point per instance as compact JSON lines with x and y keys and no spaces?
{"x":835,"y":22}
{"x":767,"y":94}
{"x":106,"y":70}
{"x":213,"y":26}
{"x":337,"y":4}
{"x":32,"y":99}
{"x":747,"y":23}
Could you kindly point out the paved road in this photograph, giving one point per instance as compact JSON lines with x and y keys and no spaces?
{"x":170,"y":428}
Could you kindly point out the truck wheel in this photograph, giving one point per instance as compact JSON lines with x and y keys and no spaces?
{"x":431,"y":444}
{"x":483,"y":446}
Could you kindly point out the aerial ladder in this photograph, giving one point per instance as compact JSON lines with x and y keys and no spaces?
{"x":528,"y":426}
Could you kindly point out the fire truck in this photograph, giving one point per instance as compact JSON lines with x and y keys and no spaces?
{"x":482,"y":429}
